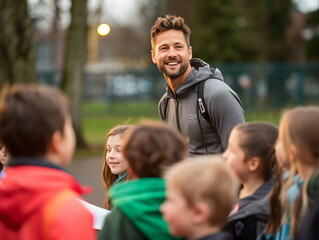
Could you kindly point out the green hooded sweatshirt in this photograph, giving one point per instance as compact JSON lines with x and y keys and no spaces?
{"x":136,"y":213}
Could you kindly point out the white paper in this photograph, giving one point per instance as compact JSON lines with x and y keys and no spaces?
{"x":98,"y":213}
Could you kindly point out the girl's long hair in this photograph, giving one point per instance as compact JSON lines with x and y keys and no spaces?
{"x":299,"y":129}
{"x":108,"y":177}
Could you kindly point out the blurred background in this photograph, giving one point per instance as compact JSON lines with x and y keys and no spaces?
{"x":98,"y":53}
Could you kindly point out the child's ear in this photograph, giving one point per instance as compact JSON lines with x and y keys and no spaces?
{"x":254,"y":164}
{"x":54,"y":148}
{"x":56,"y":142}
{"x":202,"y":212}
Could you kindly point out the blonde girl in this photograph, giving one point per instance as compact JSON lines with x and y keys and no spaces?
{"x":298,"y":136}
{"x":114,"y":165}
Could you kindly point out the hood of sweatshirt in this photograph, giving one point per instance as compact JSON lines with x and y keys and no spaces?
{"x":201,"y":71}
{"x":140,"y":201}
{"x":255,"y":204}
{"x":26,"y":188}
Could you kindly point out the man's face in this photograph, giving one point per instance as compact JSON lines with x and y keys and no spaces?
{"x":171,"y":53}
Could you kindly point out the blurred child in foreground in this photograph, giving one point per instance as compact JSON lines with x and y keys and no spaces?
{"x":39,"y":199}
{"x":199,"y":196}
{"x":299,"y":146}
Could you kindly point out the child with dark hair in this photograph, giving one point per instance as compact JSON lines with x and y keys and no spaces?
{"x":251,"y":154}
{"x":150,"y":148}
{"x":39,"y":199}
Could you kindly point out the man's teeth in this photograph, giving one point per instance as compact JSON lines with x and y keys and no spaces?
{"x":172,"y":63}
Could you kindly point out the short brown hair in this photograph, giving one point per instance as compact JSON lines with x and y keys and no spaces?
{"x":29,"y":115}
{"x":206,"y":179}
{"x":151,"y":147}
{"x":170,"y":22}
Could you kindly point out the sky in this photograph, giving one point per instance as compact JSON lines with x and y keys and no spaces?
{"x":125,"y":11}
{"x":121,"y":11}
{"x":307,"y":5}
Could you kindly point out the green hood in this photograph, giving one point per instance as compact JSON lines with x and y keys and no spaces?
{"x":140,"y":201}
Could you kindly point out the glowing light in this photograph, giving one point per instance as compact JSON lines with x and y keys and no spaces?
{"x":103,"y":29}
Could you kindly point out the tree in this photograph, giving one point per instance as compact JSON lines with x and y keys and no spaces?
{"x":273,"y":21}
{"x":74,"y":64}
{"x":16,"y":46}
{"x":312,"y":47}
{"x":216,"y":36}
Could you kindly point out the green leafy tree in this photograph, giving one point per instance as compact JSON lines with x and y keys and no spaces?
{"x":272,"y":22}
{"x":312,"y":47}
{"x":215,"y":33}
{"x":16,"y":46}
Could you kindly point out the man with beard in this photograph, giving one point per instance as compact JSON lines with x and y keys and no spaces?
{"x":181,"y":105}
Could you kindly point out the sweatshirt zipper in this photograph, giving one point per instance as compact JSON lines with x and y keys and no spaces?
{"x":177,"y":116}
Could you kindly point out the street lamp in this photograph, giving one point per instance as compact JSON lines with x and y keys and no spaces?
{"x":103,"y":29}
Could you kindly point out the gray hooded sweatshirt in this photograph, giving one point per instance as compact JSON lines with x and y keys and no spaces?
{"x":223,"y":105}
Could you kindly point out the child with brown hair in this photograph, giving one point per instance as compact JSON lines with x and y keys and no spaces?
{"x":199,"y":196}
{"x":114,"y":164}
{"x":251,"y":154}
{"x":150,"y":148}
{"x":39,"y":199}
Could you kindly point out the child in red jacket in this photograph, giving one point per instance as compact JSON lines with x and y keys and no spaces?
{"x":39,"y":199}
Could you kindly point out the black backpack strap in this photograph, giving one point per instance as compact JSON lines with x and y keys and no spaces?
{"x":200,"y":100}
{"x":163,"y":108}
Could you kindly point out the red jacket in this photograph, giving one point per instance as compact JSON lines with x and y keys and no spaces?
{"x":41,"y":203}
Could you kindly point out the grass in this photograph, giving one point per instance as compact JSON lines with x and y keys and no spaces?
{"x":99,"y":118}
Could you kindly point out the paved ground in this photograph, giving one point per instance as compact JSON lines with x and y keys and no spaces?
{"x":89,"y":173}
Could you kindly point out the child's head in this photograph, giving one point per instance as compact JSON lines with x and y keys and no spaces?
{"x":152,"y":147}
{"x":34,"y":122}
{"x":114,"y":163}
{"x":200,"y":193}
{"x":298,"y":141}
{"x":251,"y":150}
{"x":298,"y":136}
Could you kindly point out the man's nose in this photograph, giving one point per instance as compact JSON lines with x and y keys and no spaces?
{"x":171,"y":52}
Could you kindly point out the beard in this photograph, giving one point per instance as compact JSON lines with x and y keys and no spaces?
{"x":182,"y":69}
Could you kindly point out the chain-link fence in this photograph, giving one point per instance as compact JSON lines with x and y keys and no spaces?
{"x":260,"y":85}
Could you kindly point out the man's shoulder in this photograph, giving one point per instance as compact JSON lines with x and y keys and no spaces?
{"x":215,"y":89}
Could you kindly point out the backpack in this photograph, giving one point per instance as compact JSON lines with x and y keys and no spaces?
{"x":201,"y":107}
{"x":200,"y":102}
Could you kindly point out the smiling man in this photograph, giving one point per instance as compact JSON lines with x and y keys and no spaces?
{"x":197,"y":101}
